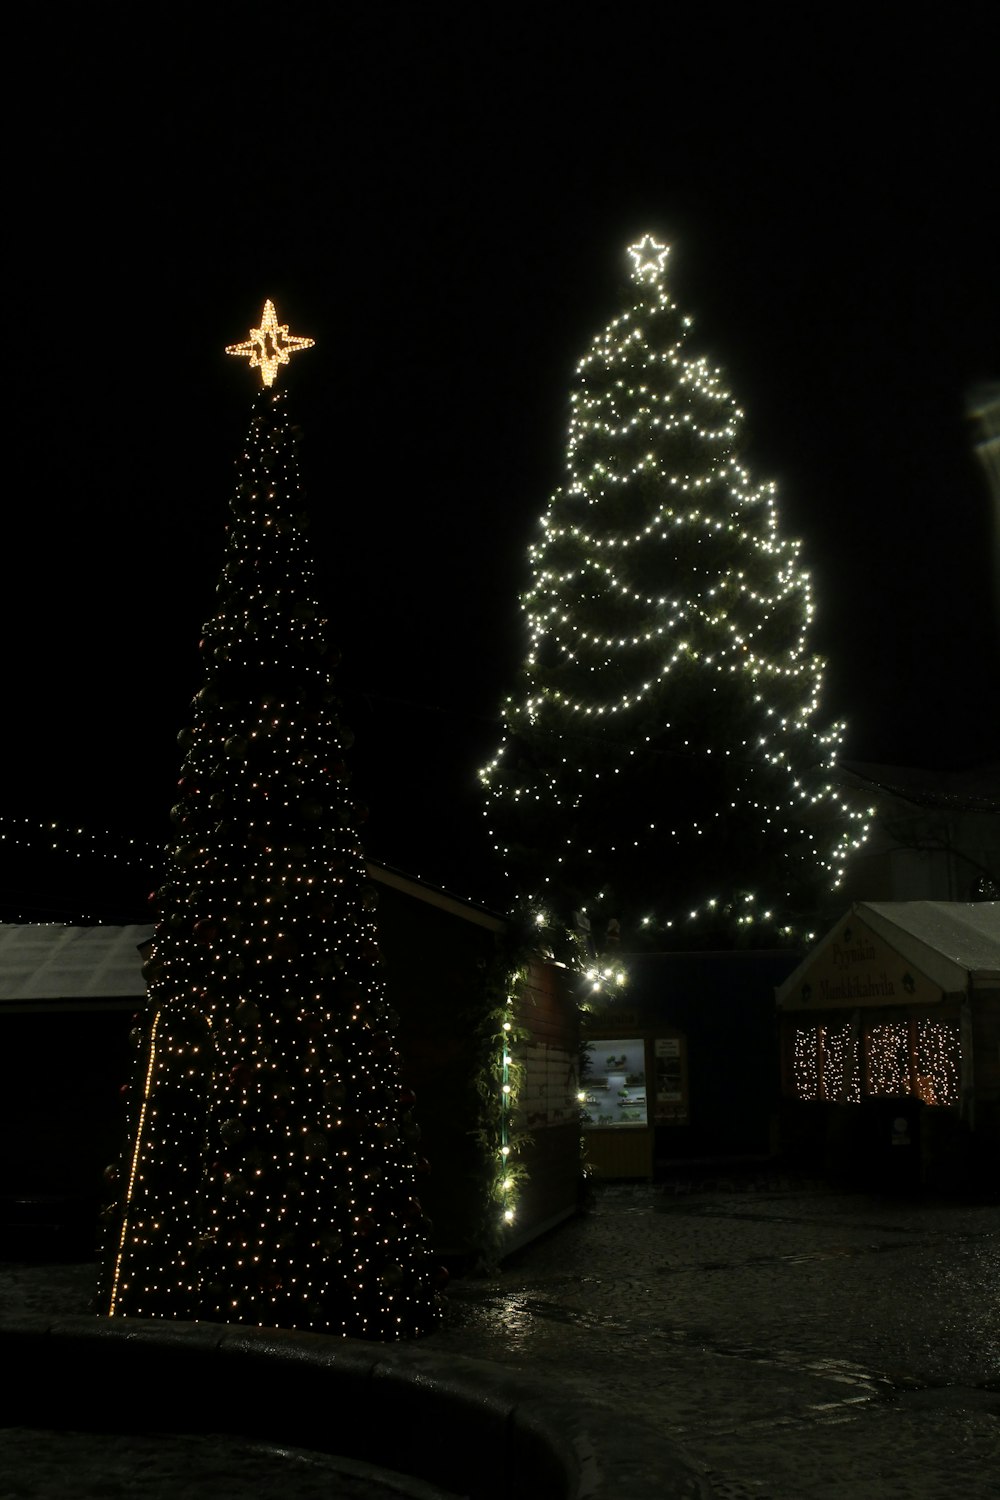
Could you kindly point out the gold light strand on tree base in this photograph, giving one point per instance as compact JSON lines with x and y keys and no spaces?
{"x":134,"y":1165}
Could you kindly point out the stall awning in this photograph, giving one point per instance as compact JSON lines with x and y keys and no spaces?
{"x":48,"y":961}
{"x":897,"y":953}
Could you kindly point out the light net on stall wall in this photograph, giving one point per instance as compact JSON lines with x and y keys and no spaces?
{"x":889,"y":1058}
{"x":839,"y":1073}
{"x":822,"y":1063}
{"x":938,"y":1052}
{"x":805,"y":1063}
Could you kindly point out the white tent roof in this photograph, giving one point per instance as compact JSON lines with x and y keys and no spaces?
{"x":955,"y":944}
{"x":48,"y":961}
{"x":966,"y":934}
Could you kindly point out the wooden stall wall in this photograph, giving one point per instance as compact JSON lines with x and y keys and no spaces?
{"x":549,"y":1107}
{"x":435,"y":971}
{"x":986,"y":1072}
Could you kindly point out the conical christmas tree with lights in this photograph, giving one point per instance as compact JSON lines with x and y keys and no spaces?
{"x":269,"y":1175}
{"x":664,"y":777}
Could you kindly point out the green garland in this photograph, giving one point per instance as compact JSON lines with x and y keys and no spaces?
{"x":500,"y":1078}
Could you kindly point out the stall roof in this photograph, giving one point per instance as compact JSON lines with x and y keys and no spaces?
{"x":954,"y":943}
{"x":457,"y":906}
{"x":965,"y":932}
{"x":49,"y":961}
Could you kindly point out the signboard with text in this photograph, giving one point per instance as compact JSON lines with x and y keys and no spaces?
{"x":671,"y":1101}
{"x":859,"y":968}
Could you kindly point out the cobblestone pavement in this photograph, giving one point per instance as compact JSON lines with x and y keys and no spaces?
{"x":187,"y":1466}
{"x":795,"y":1344}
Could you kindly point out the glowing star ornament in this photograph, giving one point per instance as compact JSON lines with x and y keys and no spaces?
{"x":649,"y":258}
{"x":270,"y":345}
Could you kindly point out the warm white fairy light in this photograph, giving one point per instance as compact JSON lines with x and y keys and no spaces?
{"x":907,"y":1055}
{"x":271,"y":1172}
{"x":56,"y":841}
{"x":270,"y":345}
{"x":937,"y":1056}
{"x":660,"y":580}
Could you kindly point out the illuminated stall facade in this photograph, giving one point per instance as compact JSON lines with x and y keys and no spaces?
{"x":890,"y":1042}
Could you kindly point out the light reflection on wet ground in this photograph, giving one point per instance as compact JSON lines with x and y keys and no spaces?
{"x":789,"y":1343}
{"x":796,"y":1345}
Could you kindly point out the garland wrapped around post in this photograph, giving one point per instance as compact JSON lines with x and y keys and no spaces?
{"x":504,"y":1039}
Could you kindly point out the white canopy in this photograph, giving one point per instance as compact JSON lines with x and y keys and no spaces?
{"x":49,"y":961}
{"x":954,"y":946}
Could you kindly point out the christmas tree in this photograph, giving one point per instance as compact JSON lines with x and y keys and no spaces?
{"x":270,"y":1167}
{"x":663,"y":773}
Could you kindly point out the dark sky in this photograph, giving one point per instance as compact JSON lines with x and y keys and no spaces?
{"x":441,"y":196}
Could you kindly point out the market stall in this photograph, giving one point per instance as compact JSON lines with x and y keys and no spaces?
{"x":890,"y":1042}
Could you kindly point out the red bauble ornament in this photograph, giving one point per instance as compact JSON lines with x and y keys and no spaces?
{"x":242,"y":1075}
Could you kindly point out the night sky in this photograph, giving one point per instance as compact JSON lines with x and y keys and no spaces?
{"x":442,"y":196}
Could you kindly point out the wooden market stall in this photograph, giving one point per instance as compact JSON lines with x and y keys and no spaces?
{"x":890,"y":1044}
{"x":439,"y":953}
{"x":67,"y":998}
{"x":69,"y":995}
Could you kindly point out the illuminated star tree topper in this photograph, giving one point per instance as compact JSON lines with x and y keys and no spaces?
{"x":649,"y":258}
{"x":270,"y":345}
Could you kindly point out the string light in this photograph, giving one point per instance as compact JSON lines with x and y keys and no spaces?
{"x":649,"y":258}
{"x":270,"y":1172}
{"x":663,"y":763}
{"x":909,"y":1055}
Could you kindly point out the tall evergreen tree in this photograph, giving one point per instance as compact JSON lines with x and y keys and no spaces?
{"x":663,"y":769}
{"x":269,"y":1175}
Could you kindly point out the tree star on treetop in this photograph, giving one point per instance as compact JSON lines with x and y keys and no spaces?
{"x":269,"y":345}
{"x":649,"y":258}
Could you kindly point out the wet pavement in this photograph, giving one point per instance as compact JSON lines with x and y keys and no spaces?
{"x":788,"y":1341}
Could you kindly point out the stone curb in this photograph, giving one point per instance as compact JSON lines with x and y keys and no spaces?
{"x":460,"y":1423}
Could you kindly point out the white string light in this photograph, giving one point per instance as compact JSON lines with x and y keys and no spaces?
{"x":664,"y":604}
